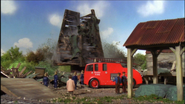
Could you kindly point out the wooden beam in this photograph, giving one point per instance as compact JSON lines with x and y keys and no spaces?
{"x":179,"y":73}
{"x":173,"y":50}
{"x":130,"y":53}
{"x":28,"y":73}
{"x":159,"y":52}
{"x":155,"y":73}
{"x":22,"y":71}
{"x":5,"y":74}
{"x":133,"y":51}
{"x":18,"y":65}
{"x":183,"y":49}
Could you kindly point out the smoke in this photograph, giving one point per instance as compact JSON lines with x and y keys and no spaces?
{"x":50,"y":50}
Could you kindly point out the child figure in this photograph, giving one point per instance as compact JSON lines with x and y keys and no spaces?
{"x":117,"y":86}
{"x":124,"y":82}
{"x":46,"y":79}
{"x":70,"y":85}
{"x":55,"y":80}
{"x":75,"y":79}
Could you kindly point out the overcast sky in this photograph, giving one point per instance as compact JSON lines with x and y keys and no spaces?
{"x":28,"y":24}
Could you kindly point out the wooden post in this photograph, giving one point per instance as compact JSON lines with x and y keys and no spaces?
{"x":179,"y":74}
{"x":130,"y":53}
{"x":155,"y":73}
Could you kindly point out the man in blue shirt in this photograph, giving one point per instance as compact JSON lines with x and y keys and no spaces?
{"x":55,"y":80}
{"x":46,"y":79}
{"x":75,"y":79}
{"x":124,"y":82}
{"x":117,"y":86}
{"x":82,"y":78}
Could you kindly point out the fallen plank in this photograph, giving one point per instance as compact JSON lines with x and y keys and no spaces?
{"x":5,"y":74}
{"x":26,"y":87}
{"x":18,"y":65}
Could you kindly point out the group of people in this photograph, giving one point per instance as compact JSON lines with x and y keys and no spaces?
{"x":118,"y":81}
{"x":71,"y":83}
{"x":46,"y":80}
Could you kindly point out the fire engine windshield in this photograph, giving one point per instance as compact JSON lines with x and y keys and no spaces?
{"x":89,"y":68}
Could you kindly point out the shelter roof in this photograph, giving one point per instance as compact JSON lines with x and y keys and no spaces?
{"x":160,"y":32}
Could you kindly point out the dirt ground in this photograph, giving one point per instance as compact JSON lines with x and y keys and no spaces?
{"x":80,"y":93}
{"x":86,"y":91}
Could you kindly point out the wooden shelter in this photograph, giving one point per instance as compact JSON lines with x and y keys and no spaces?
{"x":155,"y":36}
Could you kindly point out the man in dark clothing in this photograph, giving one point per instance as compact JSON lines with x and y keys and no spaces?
{"x":124,"y":82}
{"x":46,"y":79}
{"x":55,"y":80}
{"x":117,"y":80}
{"x":82,"y":78}
{"x":75,"y":79}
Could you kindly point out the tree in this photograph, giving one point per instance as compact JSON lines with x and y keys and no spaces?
{"x":140,"y":60}
{"x":10,"y":56}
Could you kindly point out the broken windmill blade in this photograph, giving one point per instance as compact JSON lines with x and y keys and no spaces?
{"x":14,"y":73}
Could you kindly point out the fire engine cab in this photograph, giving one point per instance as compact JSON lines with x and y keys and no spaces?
{"x":103,"y":74}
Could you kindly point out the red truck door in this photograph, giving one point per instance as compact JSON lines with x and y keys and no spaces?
{"x":105,"y":75}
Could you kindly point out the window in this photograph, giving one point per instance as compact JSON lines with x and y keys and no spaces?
{"x":104,"y":67}
{"x":89,"y":68}
{"x":96,"y":67}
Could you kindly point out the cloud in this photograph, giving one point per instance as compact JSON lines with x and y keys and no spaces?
{"x":55,"y":20}
{"x":151,"y":8}
{"x":106,"y":33}
{"x":2,"y":52}
{"x":99,"y":8}
{"x":8,"y":7}
{"x":24,"y":42}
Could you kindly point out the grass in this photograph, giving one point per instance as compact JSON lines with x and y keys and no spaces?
{"x":87,"y":100}
{"x":109,"y":99}
{"x":154,"y":98}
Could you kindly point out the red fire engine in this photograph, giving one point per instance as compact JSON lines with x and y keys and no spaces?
{"x":102,"y":74}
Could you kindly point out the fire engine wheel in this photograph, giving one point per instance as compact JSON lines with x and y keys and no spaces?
{"x":94,"y":83}
{"x":134,"y":83}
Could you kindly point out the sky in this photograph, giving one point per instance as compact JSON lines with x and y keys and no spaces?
{"x":29,"y":24}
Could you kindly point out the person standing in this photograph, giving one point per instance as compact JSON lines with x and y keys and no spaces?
{"x":117,"y":86}
{"x":124,"y":82}
{"x":55,"y":80}
{"x":82,"y":78}
{"x":70,"y":85}
{"x":46,"y":79}
{"x":75,"y":79}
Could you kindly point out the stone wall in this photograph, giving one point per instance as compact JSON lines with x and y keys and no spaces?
{"x":165,"y":60}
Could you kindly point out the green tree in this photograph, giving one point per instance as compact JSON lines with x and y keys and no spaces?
{"x":10,"y":56}
{"x":140,"y":60}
